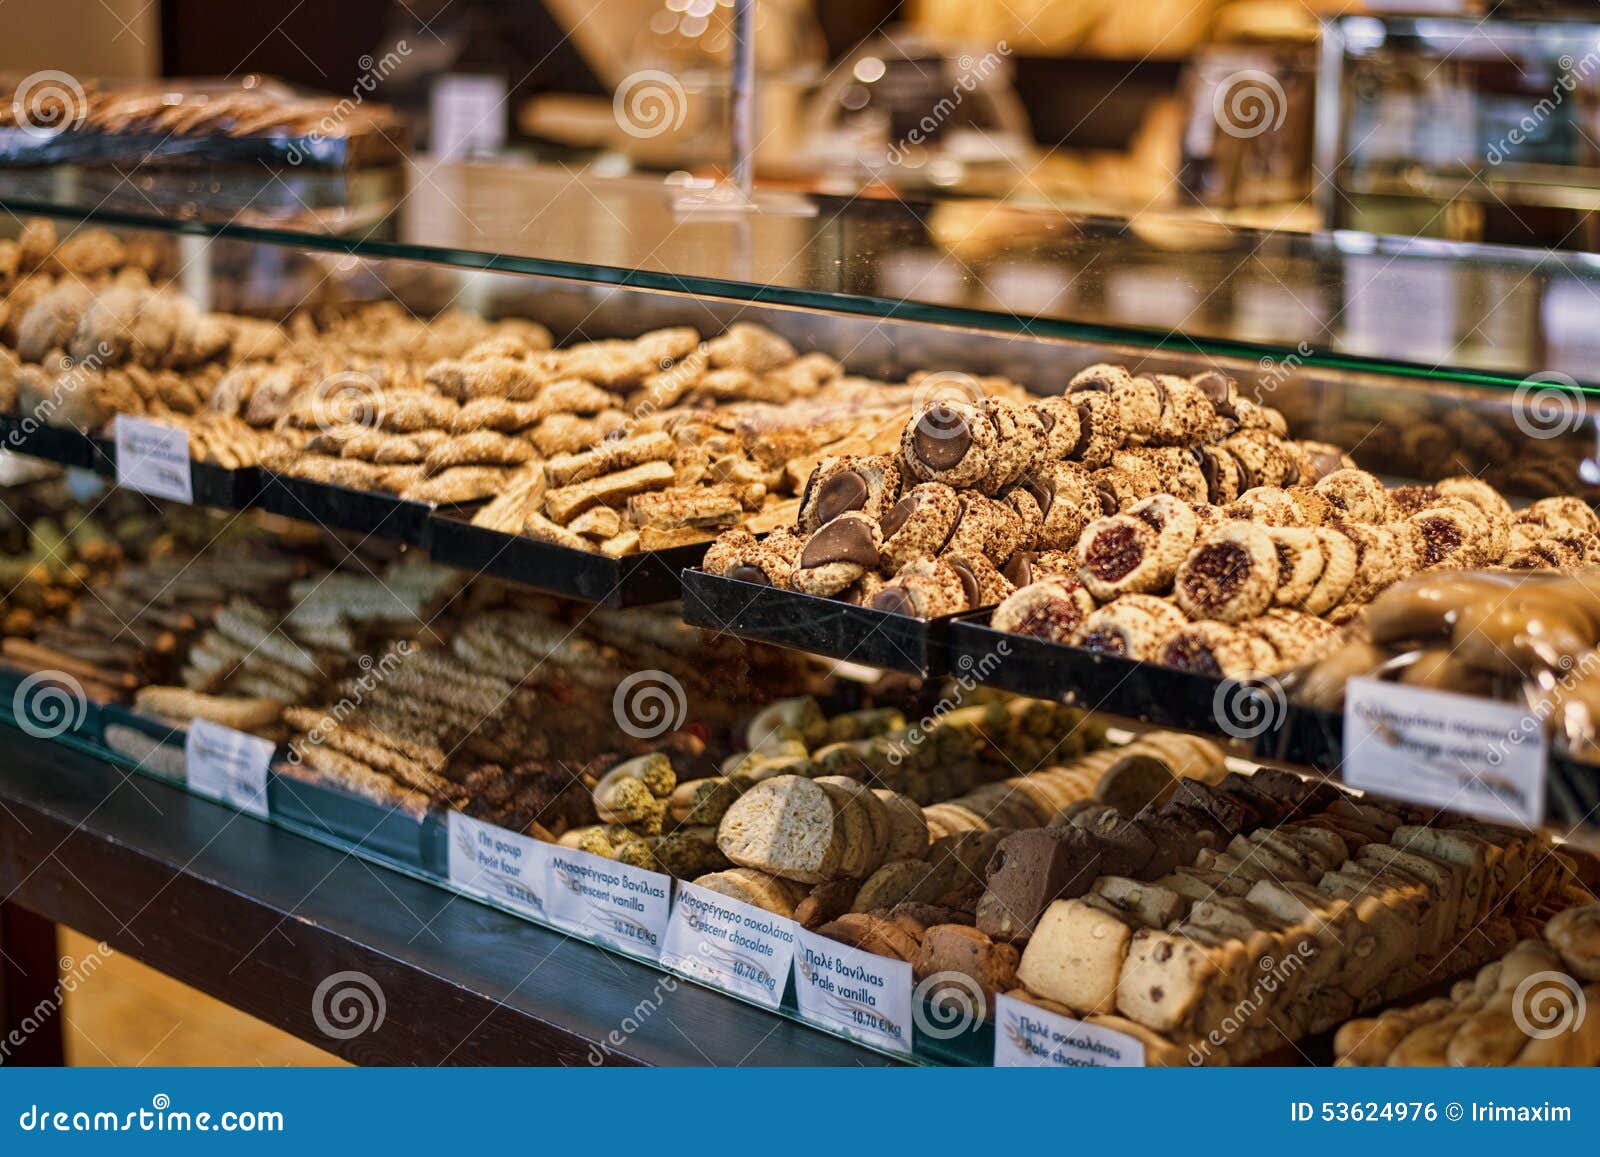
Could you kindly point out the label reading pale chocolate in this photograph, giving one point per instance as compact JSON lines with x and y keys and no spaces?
{"x":1444,"y":750}
{"x":614,"y":903}
{"x":1027,"y":1036}
{"x":153,"y":459}
{"x":858,"y":993}
{"x":730,"y":944}
{"x":498,"y":864}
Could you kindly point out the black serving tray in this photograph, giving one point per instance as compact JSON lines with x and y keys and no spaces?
{"x":811,"y":623}
{"x":67,"y":445}
{"x":1160,"y":696}
{"x":632,"y":580}
{"x":340,"y":508}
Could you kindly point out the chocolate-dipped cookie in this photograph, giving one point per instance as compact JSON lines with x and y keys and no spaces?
{"x":1027,"y":566}
{"x":1263,"y":457}
{"x":925,"y":588}
{"x":1186,"y":411}
{"x":981,"y":581}
{"x":1100,"y":429}
{"x":919,"y":524}
{"x":1379,"y":560}
{"x":1231,"y":575}
{"x":1021,"y":444}
{"x":1137,"y":399}
{"x":838,"y":554}
{"x":1059,"y":416}
{"x":950,"y":442}
{"x":738,"y":555}
{"x":1053,"y":609}
{"x":988,"y":527}
{"x":868,"y":483}
{"x":1324,"y":458}
{"x":1224,"y":480}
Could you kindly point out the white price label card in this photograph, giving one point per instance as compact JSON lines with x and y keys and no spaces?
{"x":153,"y":459}
{"x":498,"y":864}
{"x":621,"y":905}
{"x":228,"y":765}
{"x":860,"y":994}
{"x":467,"y":116}
{"x":1448,"y":751}
{"x":730,"y":944}
{"x":1027,"y":1036}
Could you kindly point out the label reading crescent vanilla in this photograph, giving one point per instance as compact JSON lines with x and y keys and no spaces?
{"x":619,"y":905}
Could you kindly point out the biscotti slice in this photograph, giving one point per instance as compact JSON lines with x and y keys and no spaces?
{"x":1230,"y":865}
{"x":877,"y":817}
{"x":908,"y":831}
{"x":1075,"y":956}
{"x":1162,"y":979}
{"x":1330,"y":848}
{"x":1464,"y":850}
{"x":785,"y":826}
{"x":1154,"y":905}
{"x":1386,"y":942}
{"x":1445,"y":878}
{"x":1217,"y":883}
{"x":1279,"y":866}
{"x":851,"y":828}
{"x":1435,"y":926}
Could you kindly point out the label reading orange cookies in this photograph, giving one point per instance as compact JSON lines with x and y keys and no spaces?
{"x":1027,"y":1036}
{"x":730,"y":944}
{"x":857,"y":993}
{"x":497,"y":864}
{"x":1445,"y":750}
{"x":613,"y":903}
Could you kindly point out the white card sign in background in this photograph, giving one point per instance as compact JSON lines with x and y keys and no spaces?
{"x":860,"y":994}
{"x":490,"y":861}
{"x":1448,"y":751}
{"x":1027,"y":1036}
{"x":621,"y":905}
{"x":729,"y":944}
{"x":153,"y":459}
{"x":228,"y":765}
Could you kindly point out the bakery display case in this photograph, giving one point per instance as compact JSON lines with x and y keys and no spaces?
{"x":989,"y":635}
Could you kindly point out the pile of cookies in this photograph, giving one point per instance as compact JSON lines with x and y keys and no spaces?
{"x":1260,"y":585}
{"x":985,"y":495}
{"x":1530,"y":1007}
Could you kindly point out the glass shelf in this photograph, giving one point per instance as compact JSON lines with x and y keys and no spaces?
{"x":1175,"y":283}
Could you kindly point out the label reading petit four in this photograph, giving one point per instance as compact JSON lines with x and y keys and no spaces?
{"x":730,"y":944}
{"x":500,"y":865}
{"x":1449,"y":751}
{"x":623,"y":906}
{"x":223,"y":764}
{"x":860,"y":994}
{"x":153,"y":459}
{"x":1027,"y":1036}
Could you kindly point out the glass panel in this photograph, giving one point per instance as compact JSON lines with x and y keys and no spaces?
{"x":1181,"y":283}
